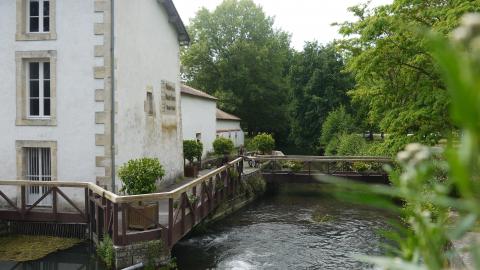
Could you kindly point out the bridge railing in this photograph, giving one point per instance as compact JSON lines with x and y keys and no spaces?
{"x":333,"y":165}
{"x":125,"y":218}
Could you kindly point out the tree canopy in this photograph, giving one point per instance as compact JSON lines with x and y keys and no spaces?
{"x":318,"y":87}
{"x":238,"y":56}
{"x":396,"y":77}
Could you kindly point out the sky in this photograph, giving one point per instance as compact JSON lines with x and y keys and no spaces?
{"x":305,"y":20}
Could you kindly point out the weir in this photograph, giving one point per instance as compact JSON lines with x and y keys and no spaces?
{"x":102,"y":212}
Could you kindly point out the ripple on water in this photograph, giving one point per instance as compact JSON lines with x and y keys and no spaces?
{"x":278,"y":233}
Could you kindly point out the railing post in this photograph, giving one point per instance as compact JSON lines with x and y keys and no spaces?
{"x":87,"y":207}
{"x":22,"y":200}
{"x":124,"y":223}
{"x":170,"y":222}
{"x":54,"y":202}
{"x":115,"y":224}
{"x":182,"y":206}
{"x":106,"y":217}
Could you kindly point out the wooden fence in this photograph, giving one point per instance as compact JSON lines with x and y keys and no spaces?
{"x":104,"y":212}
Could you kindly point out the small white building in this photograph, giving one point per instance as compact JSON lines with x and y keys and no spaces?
{"x":86,"y":86}
{"x":198,"y":117}
{"x":228,"y":126}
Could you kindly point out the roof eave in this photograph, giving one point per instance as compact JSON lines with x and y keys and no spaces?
{"x":174,"y":18}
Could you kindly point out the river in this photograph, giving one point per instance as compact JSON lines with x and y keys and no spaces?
{"x":279,"y":232}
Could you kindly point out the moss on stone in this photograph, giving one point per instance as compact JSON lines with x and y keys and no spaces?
{"x":22,"y":248}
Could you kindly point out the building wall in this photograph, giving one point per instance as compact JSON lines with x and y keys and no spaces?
{"x":146,"y":55}
{"x":75,"y":128}
{"x":232,"y":130}
{"x":198,"y":116}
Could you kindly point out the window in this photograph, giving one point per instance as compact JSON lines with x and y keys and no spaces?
{"x":149,"y":105}
{"x":198,"y":136}
{"x":37,"y":161}
{"x":39,"y":16}
{"x":36,"y":20}
{"x":38,"y":168}
{"x":38,"y":86}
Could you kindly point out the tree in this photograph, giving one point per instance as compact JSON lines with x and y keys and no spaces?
{"x":238,"y":56}
{"x":318,"y":86}
{"x":396,"y":76}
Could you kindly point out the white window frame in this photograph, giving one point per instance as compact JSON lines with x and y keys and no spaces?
{"x":40,"y":17}
{"x":23,"y":22}
{"x":41,"y":90}
{"x":23,"y":59}
{"x":38,"y":159}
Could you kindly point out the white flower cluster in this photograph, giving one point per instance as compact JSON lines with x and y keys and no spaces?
{"x":468,"y":32}
{"x":414,"y":154}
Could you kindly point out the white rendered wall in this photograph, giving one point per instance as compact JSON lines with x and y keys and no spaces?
{"x":198,"y":116}
{"x":231,"y":129}
{"x":75,"y":129}
{"x":146,"y":52}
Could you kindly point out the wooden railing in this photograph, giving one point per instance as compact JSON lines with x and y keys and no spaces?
{"x":106,"y":213}
{"x":333,"y":165}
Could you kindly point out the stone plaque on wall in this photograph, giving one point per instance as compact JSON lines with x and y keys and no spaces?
{"x":169,"y":98}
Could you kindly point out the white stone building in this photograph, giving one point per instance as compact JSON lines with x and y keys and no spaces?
{"x":228,"y":126}
{"x":198,"y":117}
{"x":87,"y":85}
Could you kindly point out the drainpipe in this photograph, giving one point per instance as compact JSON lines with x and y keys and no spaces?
{"x":112,"y":83}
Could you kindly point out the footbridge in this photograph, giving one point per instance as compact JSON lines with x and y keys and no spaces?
{"x":166,"y":216}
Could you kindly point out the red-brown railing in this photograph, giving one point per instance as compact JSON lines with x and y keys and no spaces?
{"x":106,"y":213}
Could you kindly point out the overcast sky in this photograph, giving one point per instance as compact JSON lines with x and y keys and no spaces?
{"x":305,"y":20}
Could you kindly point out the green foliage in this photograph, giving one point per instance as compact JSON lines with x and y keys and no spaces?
{"x":337,"y":122}
{"x":318,"y":86}
{"x":434,"y":182}
{"x":257,"y":184}
{"x":140,"y":175}
{"x":398,"y":85}
{"x":106,"y":252}
{"x":222,"y":146}
{"x":192,"y":149}
{"x":350,"y":145}
{"x":264,"y":143}
{"x":154,"y":250}
{"x":237,"y":55}
{"x":294,"y":166}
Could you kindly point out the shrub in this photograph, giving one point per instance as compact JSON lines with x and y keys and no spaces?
{"x":222,"y":146}
{"x":192,"y":149}
{"x":264,"y":142}
{"x":105,"y":251}
{"x":350,"y":145}
{"x":140,"y":175}
{"x":336,"y":123}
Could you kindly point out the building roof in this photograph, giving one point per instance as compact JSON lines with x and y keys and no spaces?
{"x":175,"y":19}
{"x":221,"y":115}
{"x":187,"y":90}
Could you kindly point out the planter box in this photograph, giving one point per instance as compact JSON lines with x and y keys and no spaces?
{"x":191,"y":171}
{"x":142,"y":217}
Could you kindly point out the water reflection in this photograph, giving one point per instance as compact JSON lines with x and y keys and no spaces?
{"x":80,"y":257}
{"x":279,"y":233}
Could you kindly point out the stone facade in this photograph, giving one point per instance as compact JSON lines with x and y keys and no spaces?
{"x":139,"y":253}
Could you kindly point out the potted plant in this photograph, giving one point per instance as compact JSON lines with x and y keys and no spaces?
{"x":264,"y":143}
{"x":192,"y":150}
{"x":139,"y":176}
{"x":223,"y":147}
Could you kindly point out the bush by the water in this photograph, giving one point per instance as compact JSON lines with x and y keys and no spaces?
{"x":265,"y":143}
{"x":106,"y":252}
{"x":192,"y":150}
{"x":222,"y":146}
{"x":139,"y":176}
